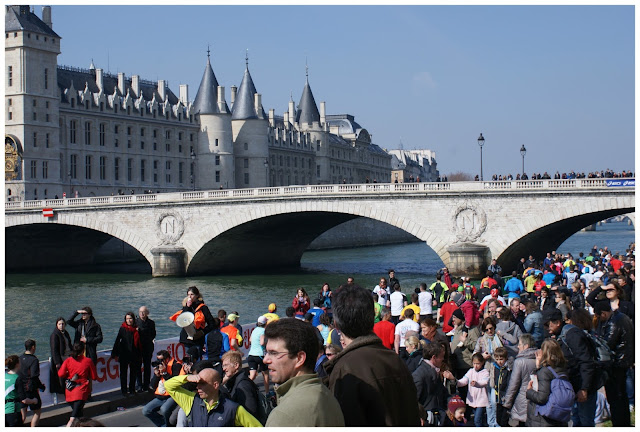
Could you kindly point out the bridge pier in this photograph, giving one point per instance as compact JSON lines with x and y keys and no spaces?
{"x":168,"y":261}
{"x":468,"y":259}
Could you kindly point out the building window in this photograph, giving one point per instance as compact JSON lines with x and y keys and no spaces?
{"x":87,"y":167}
{"x":179,"y":136}
{"x":10,"y":75}
{"x":46,"y":140}
{"x":46,"y":78}
{"x":141,"y":145}
{"x":216,"y":142}
{"x":35,"y":116}
{"x":141,"y":131}
{"x":33,"y":169}
{"x":246,"y":163}
{"x":155,"y":164}
{"x":217,"y":160}
{"x":142,"y":164}
{"x":167,"y":165}
{"x":115,"y":142}
{"x":103,"y":167}
{"x":318,"y":170}
{"x":87,"y":133}
{"x":102,"y":134}
{"x":246,"y":146}
{"x":128,"y":143}
{"x":155,"y":146}
{"x":35,"y":139}
{"x":116,"y":169}
{"x":179,"y":148}
{"x":180,"y":169}
{"x":47,"y":118}
{"x":73,"y":167}
{"x":130,"y":169}
{"x":168,"y":134}
{"x":155,"y":133}
{"x":217,"y":176}
{"x":246,"y":178}
{"x":190,"y":137}
{"x":10,"y":116}
{"x":168,"y":147}
{"x":128,"y":130}
{"x":45,"y":169}
{"x":116,"y":129}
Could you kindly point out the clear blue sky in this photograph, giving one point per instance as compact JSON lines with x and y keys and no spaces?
{"x":558,"y":79}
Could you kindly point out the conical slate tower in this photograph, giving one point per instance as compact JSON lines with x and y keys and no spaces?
{"x":307,"y":109}
{"x":244,"y":106}
{"x":207,"y":97}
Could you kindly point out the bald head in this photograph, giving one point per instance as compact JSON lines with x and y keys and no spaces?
{"x":208,"y":385}
{"x":209,"y":376}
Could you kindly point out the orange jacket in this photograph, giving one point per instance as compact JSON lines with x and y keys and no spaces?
{"x":198,"y":317}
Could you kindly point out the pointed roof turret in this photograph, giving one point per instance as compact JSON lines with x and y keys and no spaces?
{"x":307,"y":109}
{"x":207,"y":98}
{"x":244,"y":105}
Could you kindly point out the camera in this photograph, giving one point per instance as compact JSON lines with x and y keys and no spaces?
{"x":187,"y":359}
{"x":156,"y":363}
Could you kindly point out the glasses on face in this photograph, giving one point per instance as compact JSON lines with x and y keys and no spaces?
{"x":489,"y":328}
{"x":329,"y":354}
{"x":275,"y":354}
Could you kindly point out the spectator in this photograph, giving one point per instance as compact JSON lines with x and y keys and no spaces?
{"x":30,"y":376}
{"x":533,"y":322}
{"x":241,"y":389}
{"x":499,"y":375}
{"x":88,"y":331}
{"x":127,"y":350}
{"x":414,"y":353}
{"x":60,"y":344}
{"x":524,"y":364}
{"x":385,"y":329}
{"x":159,"y":409}
{"x":202,"y":321}
{"x":301,"y":303}
{"x":147,"y":329}
{"x":291,"y":353}
{"x":78,"y":371}
{"x":477,"y":378}
{"x":380,"y":394}
{"x":216,"y":344}
{"x":432,"y":395}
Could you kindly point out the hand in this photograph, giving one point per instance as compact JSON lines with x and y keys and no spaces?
{"x":58,"y":366}
{"x":473,"y":383}
{"x":530,"y":385}
{"x":186,"y":368}
{"x":463,"y":337}
{"x":156,"y":372}
{"x":486,"y":355}
{"x":193,"y":378}
{"x":81,"y":311}
{"x":581,"y":396}
{"x":448,"y":375}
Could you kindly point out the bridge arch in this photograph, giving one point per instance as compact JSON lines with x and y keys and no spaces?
{"x":540,"y":235}
{"x":62,"y":242}
{"x":278,"y":234}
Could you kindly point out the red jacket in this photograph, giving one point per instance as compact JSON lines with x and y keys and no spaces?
{"x":85,"y":369}
{"x":445,"y":312}
{"x":385,"y":330}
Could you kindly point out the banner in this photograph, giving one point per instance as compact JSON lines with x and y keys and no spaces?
{"x":621,"y":182}
{"x":108,"y":369}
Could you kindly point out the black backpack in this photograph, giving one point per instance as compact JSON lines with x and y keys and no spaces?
{"x":265,"y":405}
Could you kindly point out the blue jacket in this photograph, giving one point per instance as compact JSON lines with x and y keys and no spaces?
{"x":514,"y":287}
{"x":533,"y":325}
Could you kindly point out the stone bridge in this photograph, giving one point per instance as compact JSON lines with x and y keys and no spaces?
{"x":209,"y":232}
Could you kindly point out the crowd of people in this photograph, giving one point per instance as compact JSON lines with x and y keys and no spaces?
{"x":564,"y":176}
{"x":550,"y":345}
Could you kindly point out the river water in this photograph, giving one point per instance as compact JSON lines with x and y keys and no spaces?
{"x":34,"y":301}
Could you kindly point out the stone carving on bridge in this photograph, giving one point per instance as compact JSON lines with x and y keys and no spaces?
{"x":469,"y":222}
{"x":170,"y":227}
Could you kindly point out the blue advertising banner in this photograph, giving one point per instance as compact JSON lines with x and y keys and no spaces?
{"x":621,"y":182}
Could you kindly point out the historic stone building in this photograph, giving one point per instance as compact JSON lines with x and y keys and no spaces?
{"x":413,"y":165}
{"x":87,"y":132}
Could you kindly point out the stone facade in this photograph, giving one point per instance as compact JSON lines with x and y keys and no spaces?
{"x":86,"y":132}
{"x":413,"y":165}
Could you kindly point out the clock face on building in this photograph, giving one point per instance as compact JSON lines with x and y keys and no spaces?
{"x":10,"y":159}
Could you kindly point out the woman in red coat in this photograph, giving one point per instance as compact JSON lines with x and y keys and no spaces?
{"x":301,"y":303}
{"x":127,"y":350}
{"x":80,"y":370}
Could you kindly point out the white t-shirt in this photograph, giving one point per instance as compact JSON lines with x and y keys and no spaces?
{"x":397,"y":303}
{"x":425,"y":301}
{"x":404,"y":326}
{"x":382,"y":300}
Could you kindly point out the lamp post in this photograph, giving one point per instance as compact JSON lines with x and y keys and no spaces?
{"x":266,"y":172}
{"x":523,"y":151}
{"x":481,"y":144}
{"x":193,"y":169}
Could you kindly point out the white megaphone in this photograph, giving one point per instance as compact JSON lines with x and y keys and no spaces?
{"x":185,"y":320}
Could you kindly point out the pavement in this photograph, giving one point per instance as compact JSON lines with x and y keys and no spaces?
{"x":111,"y":409}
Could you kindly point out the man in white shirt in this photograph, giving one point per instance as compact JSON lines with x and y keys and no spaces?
{"x":398,"y":302}
{"x":401,"y":330}
{"x":383,"y":292}
{"x":425,"y":301}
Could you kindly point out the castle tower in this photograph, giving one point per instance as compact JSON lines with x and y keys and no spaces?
{"x":250,"y":135}
{"x":32,"y":131}
{"x":214,"y":164}
{"x":307,"y":115}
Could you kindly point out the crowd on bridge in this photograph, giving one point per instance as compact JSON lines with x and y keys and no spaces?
{"x":564,"y":176}
{"x":551,"y":344}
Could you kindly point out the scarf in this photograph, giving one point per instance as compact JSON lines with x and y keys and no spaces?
{"x":136,"y":335}
{"x":492,"y":343}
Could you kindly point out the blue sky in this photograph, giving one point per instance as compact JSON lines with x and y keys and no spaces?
{"x":558,"y":79}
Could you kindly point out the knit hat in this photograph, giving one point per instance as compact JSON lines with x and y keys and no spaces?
{"x":458,"y":314}
{"x":272,"y":307}
{"x":457,"y":298}
{"x":454,"y":403}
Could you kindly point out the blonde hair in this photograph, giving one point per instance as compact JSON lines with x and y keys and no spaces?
{"x":412,"y":340}
{"x":233,"y":356}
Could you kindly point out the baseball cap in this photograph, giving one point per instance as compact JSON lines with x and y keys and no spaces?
{"x":232,"y":317}
{"x":262,"y":319}
{"x":272,"y":307}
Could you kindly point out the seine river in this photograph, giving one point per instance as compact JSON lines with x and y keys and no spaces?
{"x":34,"y":301}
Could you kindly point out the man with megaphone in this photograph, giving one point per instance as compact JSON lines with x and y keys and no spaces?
{"x":193,"y":330}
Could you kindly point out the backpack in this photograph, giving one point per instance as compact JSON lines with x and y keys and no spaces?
{"x":265,"y":405}
{"x":561,"y":399}
{"x":604,"y":356}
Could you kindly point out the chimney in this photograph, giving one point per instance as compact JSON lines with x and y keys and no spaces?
{"x":272,"y":115}
{"x":292,"y":111}
{"x":46,"y":16}
{"x":135,"y":84}
{"x":162,"y":90}
{"x":121,"y":82}
{"x":286,"y":120}
{"x":221,"y":100}
{"x":99,"y":81}
{"x":234,"y":91}
{"x":323,"y":110}
{"x":184,"y":94}
{"x":257,"y":101}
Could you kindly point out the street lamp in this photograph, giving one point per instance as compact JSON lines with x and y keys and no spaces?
{"x":193,"y":169}
{"x":481,"y":144}
{"x":266,"y":172}
{"x":523,"y":151}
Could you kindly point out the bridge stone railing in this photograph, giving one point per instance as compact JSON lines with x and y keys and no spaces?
{"x":325,"y":190}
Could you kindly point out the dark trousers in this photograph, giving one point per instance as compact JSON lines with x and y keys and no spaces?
{"x":395,"y":319}
{"x":144,"y":379}
{"x":616,"y":389}
{"x":133,"y":368}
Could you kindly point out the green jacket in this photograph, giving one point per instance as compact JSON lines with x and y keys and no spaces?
{"x":304,"y":401}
